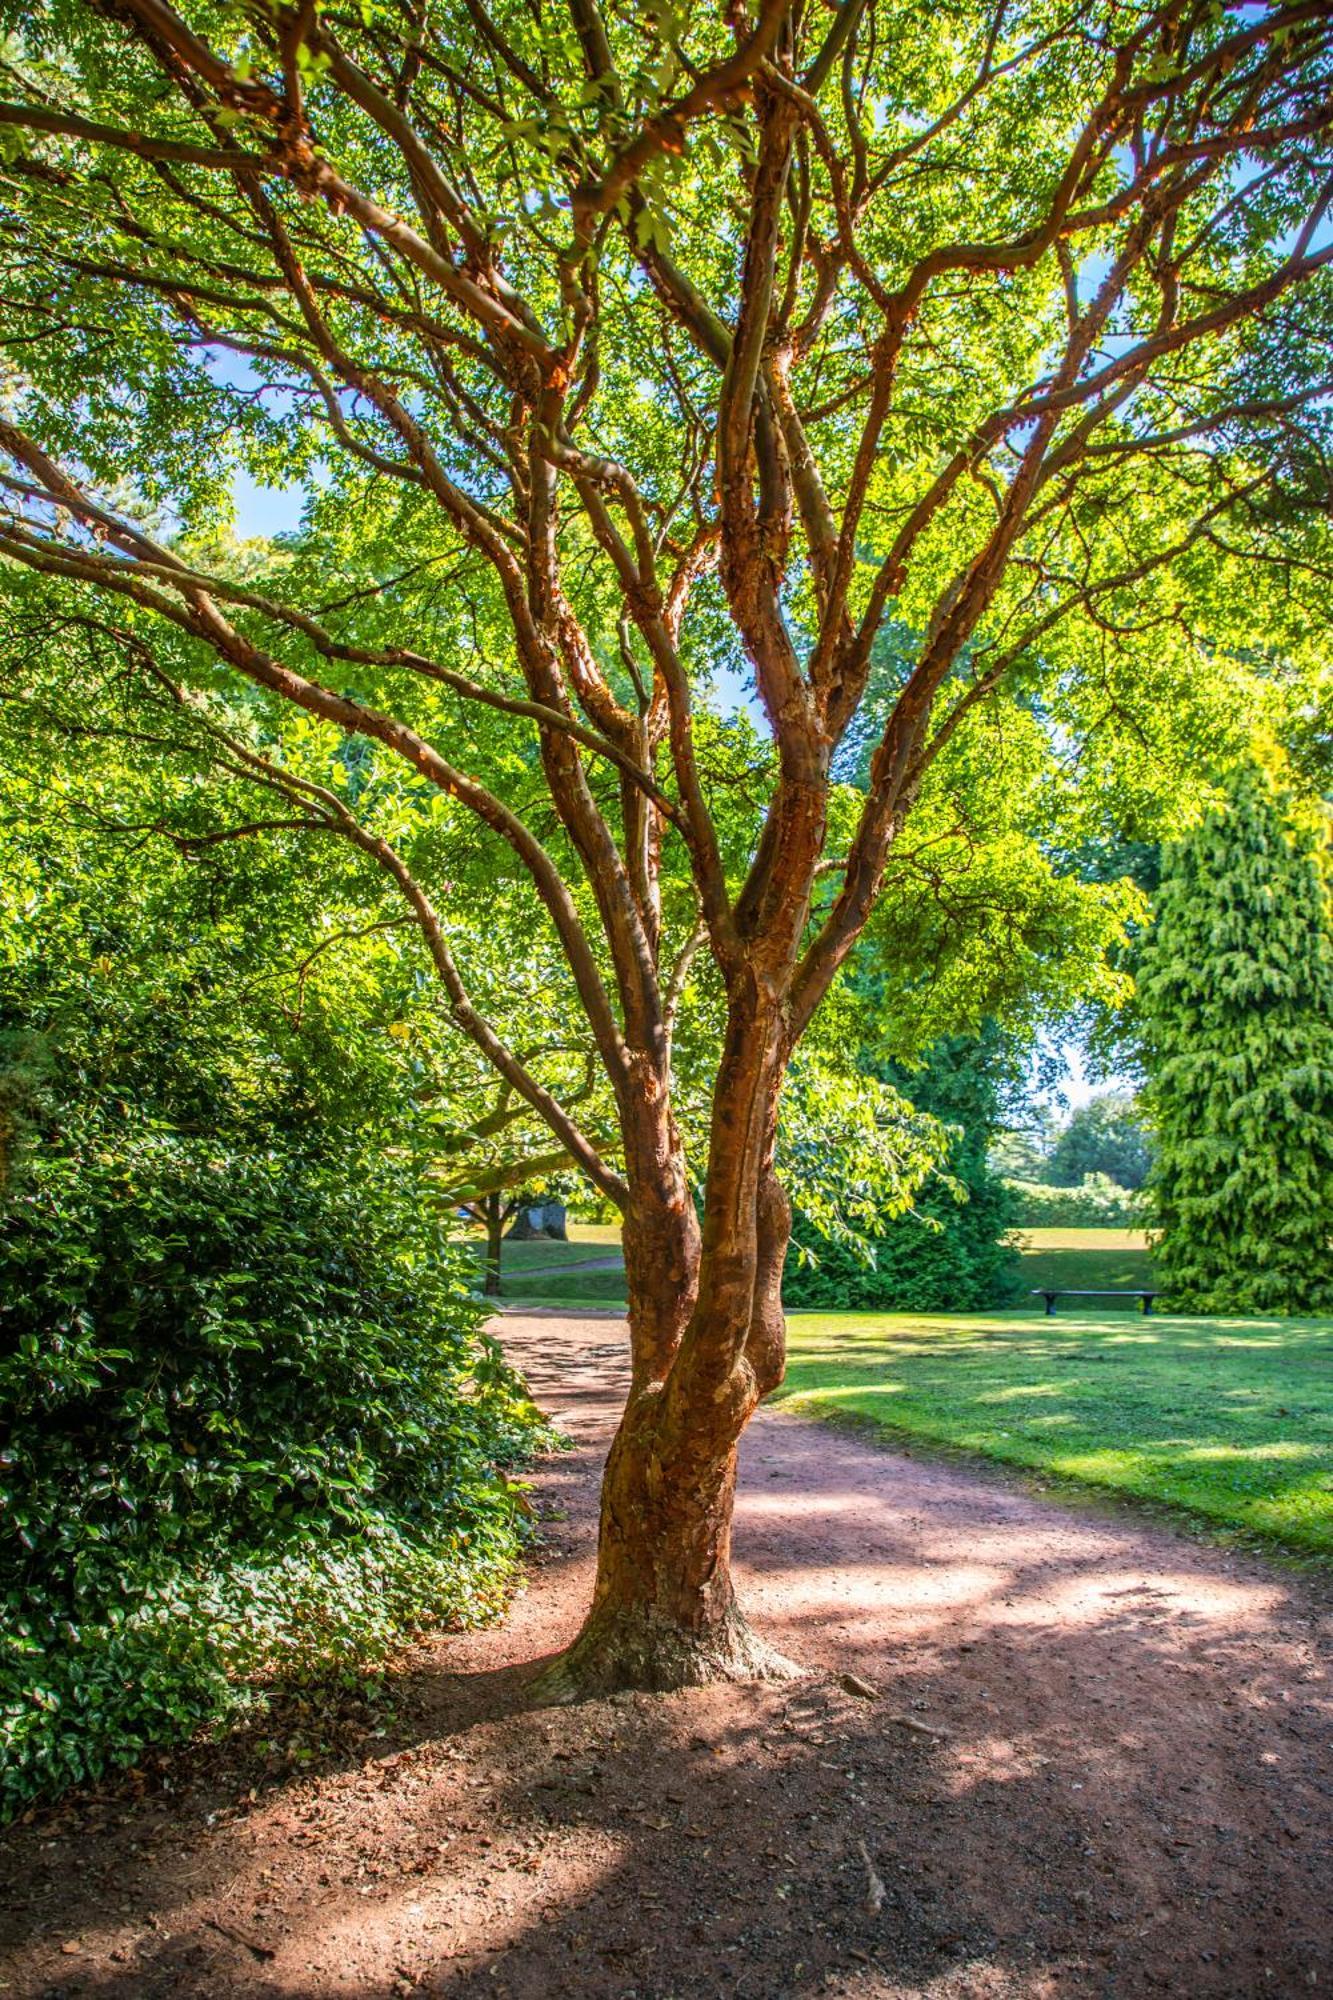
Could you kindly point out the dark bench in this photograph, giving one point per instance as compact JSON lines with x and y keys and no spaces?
{"x":1064,"y":1293}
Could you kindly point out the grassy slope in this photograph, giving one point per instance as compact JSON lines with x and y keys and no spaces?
{"x":1086,"y":1260}
{"x":545,"y":1255}
{"x":565,"y":1288}
{"x":1231,"y":1418}
{"x":547,"y":1268}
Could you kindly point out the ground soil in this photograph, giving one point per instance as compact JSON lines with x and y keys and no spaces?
{"x":1042,"y":1751}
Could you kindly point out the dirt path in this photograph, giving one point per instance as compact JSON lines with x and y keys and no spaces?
{"x":1099,"y":1764}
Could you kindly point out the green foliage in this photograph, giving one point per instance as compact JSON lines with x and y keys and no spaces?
{"x":1023,"y":1144}
{"x":1236,"y":1001}
{"x":23,"y":1059}
{"x":1103,"y":1138}
{"x":250,"y":1426}
{"x":162,"y":347}
{"x":853,"y":1148}
{"x":1097,"y":1203}
{"x":983,"y":919}
{"x":1233,"y":1422}
{"x":251,"y":1429}
{"x":949,"y":1253}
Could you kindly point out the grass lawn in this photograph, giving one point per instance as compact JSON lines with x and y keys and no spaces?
{"x":1071,"y":1259}
{"x":1090,"y":1260}
{"x":1232,"y":1419}
{"x":605,"y":1235}
{"x":547,"y":1255}
{"x":572,"y":1287}
{"x":549,"y":1273}
{"x":547,"y":1267}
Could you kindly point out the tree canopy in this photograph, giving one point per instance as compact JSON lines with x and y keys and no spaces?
{"x":1103,"y":1136}
{"x":623,"y":357}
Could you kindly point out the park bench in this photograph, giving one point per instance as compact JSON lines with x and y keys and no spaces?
{"x":1065,"y":1292}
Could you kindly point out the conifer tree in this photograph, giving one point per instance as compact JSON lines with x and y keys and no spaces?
{"x":1237,"y":998}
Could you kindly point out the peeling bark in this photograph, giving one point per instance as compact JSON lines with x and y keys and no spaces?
{"x":708,"y":1341}
{"x":664,"y":1611}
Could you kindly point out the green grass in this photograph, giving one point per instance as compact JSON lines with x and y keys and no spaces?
{"x":563,"y":1287}
{"x":1090,"y":1260}
{"x":547,"y":1267}
{"x":1071,"y":1259}
{"x":605,"y":1233}
{"x":545,"y":1255}
{"x":1082,"y":1239}
{"x":1232,"y":1419}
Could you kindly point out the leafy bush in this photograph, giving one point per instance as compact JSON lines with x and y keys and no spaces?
{"x":251,"y":1427}
{"x":960,"y":1266}
{"x":1098,"y":1203}
{"x":249,"y":1424}
{"x":951,"y":1253}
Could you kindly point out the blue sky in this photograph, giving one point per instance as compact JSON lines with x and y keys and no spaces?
{"x":266,"y":510}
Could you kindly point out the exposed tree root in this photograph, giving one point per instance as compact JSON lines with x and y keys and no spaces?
{"x":638,"y":1650}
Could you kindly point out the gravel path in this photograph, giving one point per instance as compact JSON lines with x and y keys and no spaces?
{"x":1097,"y":1762}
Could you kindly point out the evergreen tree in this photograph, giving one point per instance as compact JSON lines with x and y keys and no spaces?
{"x":1236,"y":992}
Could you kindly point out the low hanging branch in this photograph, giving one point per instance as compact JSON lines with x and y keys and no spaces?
{"x":711,"y":341}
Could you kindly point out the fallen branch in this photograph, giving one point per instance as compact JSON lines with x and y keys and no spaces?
{"x":918,"y":1727}
{"x":261,"y":1951}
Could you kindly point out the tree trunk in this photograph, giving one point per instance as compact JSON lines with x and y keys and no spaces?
{"x":664,"y":1612}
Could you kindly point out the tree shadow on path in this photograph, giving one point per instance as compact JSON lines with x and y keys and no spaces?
{"x":1096,"y":1762}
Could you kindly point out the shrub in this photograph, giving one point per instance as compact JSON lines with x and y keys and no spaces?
{"x":1098,"y":1203}
{"x":961,"y":1266}
{"x":951,"y":1253}
{"x":251,"y":1431}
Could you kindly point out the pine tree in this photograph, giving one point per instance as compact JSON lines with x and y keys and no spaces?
{"x":1236,"y":990}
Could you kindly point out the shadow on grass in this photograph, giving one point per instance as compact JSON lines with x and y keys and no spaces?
{"x":1230,"y":1419}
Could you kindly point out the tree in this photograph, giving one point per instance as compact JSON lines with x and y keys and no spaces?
{"x":950,"y":1253}
{"x":492,"y":1164}
{"x":1236,"y":1001}
{"x":1023,"y":1146}
{"x":1103,"y":1136}
{"x":620,"y":351}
